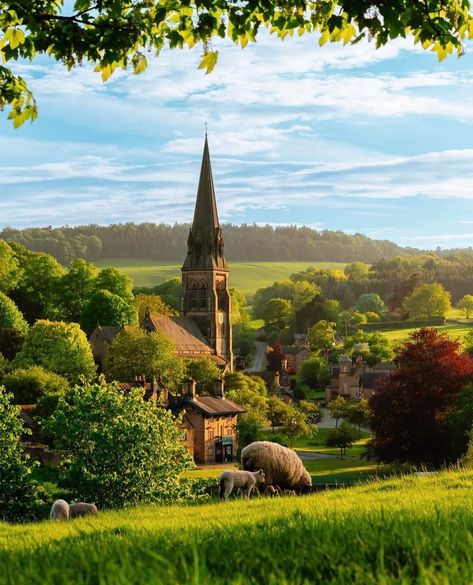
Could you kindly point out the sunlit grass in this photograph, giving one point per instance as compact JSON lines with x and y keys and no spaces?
{"x":402,"y":530}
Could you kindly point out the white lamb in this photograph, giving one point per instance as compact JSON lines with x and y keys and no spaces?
{"x":59,"y":510}
{"x":244,"y":480}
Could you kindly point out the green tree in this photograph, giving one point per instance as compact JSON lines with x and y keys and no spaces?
{"x":238,"y":300}
{"x":373,"y":347}
{"x":358,"y":413}
{"x":116,"y":282}
{"x":204,"y":371}
{"x":311,"y":410}
{"x":76,"y":287}
{"x":84,"y":31}
{"x":58,"y":347}
{"x":40,"y":285}
{"x":18,"y":492}
{"x":121,"y":449}
{"x":465,"y":304}
{"x":356,"y":271}
{"x":338,"y":409}
{"x":370,"y":302}
{"x":304,"y":292}
{"x":11,"y":342}
{"x":249,"y":392}
{"x":135,"y":352}
{"x":321,"y":337}
{"x":3,"y":366}
{"x":428,"y":301}
{"x":295,"y":424}
{"x":277,"y":410}
{"x":278,"y":313}
{"x":282,"y":289}
{"x":153,"y":303}
{"x":343,"y":437}
{"x":28,"y":385}
{"x":248,"y":430}
{"x":170,"y":292}
{"x":9,"y":268}
{"x":314,"y":373}
{"x":106,"y":308}
{"x":10,"y":316}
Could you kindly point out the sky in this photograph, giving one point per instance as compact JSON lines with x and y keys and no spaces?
{"x":351,"y":138}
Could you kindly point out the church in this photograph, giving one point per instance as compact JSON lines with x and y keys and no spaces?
{"x":204,"y":327}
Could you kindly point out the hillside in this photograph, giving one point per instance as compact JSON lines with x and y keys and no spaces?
{"x":408,"y":530}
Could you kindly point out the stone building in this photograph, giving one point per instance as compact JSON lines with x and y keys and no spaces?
{"x":354,"y":379}
{"x":208,"y":423}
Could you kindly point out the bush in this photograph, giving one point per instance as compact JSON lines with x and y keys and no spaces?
{"x":19,"y":497}
{"x":204,"y":371}
{"x":343,"y":437}
{"x":314,"y":373}
{"x":30,"y":384}
{"x":121,"y":449}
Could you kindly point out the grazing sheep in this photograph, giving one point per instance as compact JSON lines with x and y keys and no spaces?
{"x":82,"y":509}
{"x":282,"y":466}
{"x":244,"y":480}
{"x":59,"y":510}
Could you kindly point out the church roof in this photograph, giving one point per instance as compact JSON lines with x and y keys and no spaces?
{"x":183,"y":331}
{"x":205,"y":243}
{"x":209,"y":405}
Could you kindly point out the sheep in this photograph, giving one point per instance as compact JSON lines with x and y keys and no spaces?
{"x":59,"y":510}
{"x":82,"y":509}
{"x":245,"y":480}
{"x":282,"y":466}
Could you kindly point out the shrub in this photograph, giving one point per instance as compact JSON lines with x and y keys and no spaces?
{"x":343,"y":437}
{"x":121,"y":449}
{"x":19,"y":497}
{"x":10,"y":316}
{"x":28,"y":385}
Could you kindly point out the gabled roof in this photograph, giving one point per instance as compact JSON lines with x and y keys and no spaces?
{"x":184,"y":332}
{"x":109,"y":332}
{"x":209,"y":405}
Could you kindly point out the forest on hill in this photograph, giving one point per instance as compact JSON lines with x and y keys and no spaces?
{"x":169,"y":243}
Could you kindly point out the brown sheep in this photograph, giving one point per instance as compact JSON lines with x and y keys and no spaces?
{"x":59,"y":510}
{"x":82,"y":509}
{"x":282,"y":466}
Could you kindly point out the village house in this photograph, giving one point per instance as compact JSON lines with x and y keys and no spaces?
{"x":352,"y":378}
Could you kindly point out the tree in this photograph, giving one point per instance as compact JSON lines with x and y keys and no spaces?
{"x":249,"y":392}
{"x":358,"y":413}
{"x":248,"y":430}
{"x":428,"y":301}
{"x":116,"y":282}
{"x":28,"y":385}
{"x":278,"y":313}
{"x":9,"y":268}
{"x":465,"y":304}
{"x":84,"y":33}
{"x":337,"y":409}
{"x":321,"y":337}
{"x":413,"y":406}
{"x":373,"y":347}
{"x":356,"y":271}
{"x":76,"y":287}
{"x":304,"y":292}
{"x":153,"y":303}
{"x":343,"y":437}
{"x":106,"y":308}
{"x":311,"y":410}
{"x":277,"y":409}
{"x":282,"y":289}
{"x":121,"y":449}
{"x":314,"y":373}
{"x":170,"y":292}
{"x":18,"y":492}
{"x":10,"y":316}
{"x":295,"y":424}
{"x":239,"y":315}
{"x":11,"y":342}
{"x":370,"y":302}
{"x":58,"y":347}
{"x":135,"y":352}
{"x":204,"y":371}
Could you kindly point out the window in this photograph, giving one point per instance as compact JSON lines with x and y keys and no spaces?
{"x":210,"y":434}
{"x":210,"y":451}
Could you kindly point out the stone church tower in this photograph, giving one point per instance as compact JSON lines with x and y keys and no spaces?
{"x":205,"y":294}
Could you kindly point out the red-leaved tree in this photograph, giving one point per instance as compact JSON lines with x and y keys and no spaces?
{"x":414,"y":405}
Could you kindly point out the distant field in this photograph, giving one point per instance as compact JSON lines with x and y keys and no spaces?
{"x":404,"y":530}
{"x":453,"y":330}
{"x":246,"y":277}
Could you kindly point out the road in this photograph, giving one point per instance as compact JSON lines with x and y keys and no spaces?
{"x":258,"y":360}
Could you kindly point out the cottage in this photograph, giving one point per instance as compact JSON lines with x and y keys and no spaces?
{"x":354,"y":379}
{"x":211,"y":421}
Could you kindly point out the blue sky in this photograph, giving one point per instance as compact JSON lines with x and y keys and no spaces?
{"x":352,"y":138}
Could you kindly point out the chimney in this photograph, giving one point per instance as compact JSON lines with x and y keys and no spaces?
{"x":284,"y":365}
{"x":219,"y":388}
{"x":277,"y":380}
{"x":190,"y":388}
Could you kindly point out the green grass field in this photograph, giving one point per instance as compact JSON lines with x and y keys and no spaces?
{"x":246,"y":277}
{"x":453,"y":330}
{"x":410,"y":530}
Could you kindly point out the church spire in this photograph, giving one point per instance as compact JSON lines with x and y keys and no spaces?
{"x":205,"y":243}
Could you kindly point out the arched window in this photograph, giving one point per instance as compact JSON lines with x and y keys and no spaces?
{"x":222,"y":296}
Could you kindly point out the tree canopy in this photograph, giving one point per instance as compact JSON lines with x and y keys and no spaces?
{"x":120,"y":34}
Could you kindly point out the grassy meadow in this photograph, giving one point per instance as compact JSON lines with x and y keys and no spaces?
{"x":247,"y":277}
{"x":402,"y":530}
